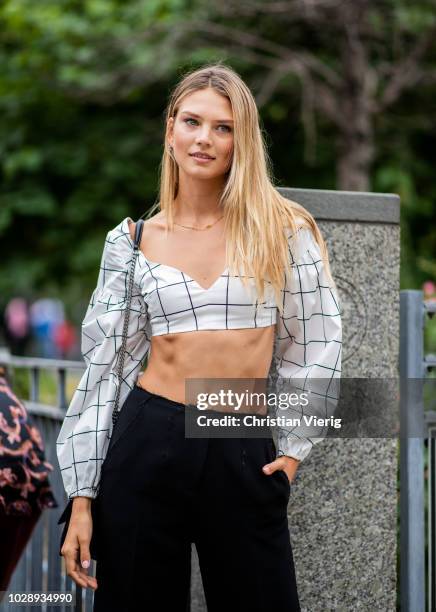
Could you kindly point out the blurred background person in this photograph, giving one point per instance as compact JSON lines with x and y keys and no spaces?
{"x":16,"y":325}
{"x":46,"y":314}
{"x":25,"y":490}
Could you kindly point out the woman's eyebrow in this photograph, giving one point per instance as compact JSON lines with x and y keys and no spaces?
{"x":199,"y":116}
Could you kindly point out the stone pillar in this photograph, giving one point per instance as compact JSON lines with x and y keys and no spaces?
{"x":343,"y":504}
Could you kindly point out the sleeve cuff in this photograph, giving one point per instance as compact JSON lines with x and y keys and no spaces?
{"x":85,"y":492}
{"x":295,"y":448}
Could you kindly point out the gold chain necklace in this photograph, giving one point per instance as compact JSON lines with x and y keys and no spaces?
{"x":199,"y":229}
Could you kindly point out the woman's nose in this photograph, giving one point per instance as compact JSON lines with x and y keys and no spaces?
{"x":203,"y":135}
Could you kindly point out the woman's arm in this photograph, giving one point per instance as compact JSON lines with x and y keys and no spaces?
{"x":86,"y":430}
{"x":309,"y":345}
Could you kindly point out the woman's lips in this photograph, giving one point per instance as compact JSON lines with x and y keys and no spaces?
{"x":202,"y":159}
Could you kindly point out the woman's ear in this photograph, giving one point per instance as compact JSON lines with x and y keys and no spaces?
{"x":170,"y":132}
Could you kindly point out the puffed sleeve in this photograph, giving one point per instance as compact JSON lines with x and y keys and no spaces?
{"x":308,"y":347}
{"x":85,"y":432}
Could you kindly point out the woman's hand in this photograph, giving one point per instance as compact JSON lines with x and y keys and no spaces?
{"x":75,"y":549}
{"x":288,"y":464}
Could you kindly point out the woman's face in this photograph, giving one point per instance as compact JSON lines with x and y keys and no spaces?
{"x":203,"y":124}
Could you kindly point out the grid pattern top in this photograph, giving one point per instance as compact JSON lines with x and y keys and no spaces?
{"x":166,"y":300}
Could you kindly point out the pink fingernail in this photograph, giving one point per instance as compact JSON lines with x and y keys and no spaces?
{"x":85,"y":564}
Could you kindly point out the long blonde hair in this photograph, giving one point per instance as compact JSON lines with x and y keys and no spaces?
{"x":255,"y":214}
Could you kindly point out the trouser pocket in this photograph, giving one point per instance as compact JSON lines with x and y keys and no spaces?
{"x":278,"y":473}
{"x":263,"y":488}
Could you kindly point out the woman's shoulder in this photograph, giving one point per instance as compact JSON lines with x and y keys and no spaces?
{"x":153,"y":229}
{"x":125,"y":230}
{"x":118,"y":238}
{"x":302,"y":242}
{"x":300,"y":225}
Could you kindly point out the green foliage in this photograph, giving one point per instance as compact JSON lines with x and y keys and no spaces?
{"x":83,"y":87}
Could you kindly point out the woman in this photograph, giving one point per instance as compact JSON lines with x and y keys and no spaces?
{"x":196,"y":312}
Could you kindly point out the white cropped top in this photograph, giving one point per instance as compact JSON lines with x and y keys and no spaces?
{"x":166,"y":300}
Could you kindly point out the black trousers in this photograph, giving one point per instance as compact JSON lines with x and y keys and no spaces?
{"x":160,"y":492}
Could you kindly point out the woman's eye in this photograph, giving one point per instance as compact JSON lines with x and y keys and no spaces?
{"x":188,"y":119}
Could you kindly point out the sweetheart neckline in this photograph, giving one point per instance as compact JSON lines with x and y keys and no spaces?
{"x":157,"y":263}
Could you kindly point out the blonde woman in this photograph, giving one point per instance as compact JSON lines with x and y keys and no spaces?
{"x":218,"y":278}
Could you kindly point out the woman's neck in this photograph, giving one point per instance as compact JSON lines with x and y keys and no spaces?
{"x":196,"y":210}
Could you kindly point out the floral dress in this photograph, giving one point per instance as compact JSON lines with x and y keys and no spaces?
{"x":24,"y":485}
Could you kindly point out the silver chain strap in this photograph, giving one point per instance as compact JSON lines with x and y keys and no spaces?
{"x":120,"y":364}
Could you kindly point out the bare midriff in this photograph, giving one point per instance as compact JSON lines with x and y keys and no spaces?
{"x":210,"y":354}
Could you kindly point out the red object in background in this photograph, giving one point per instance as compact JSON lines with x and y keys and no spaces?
{"x":429,"y":290}
{"x":64,"y":337}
